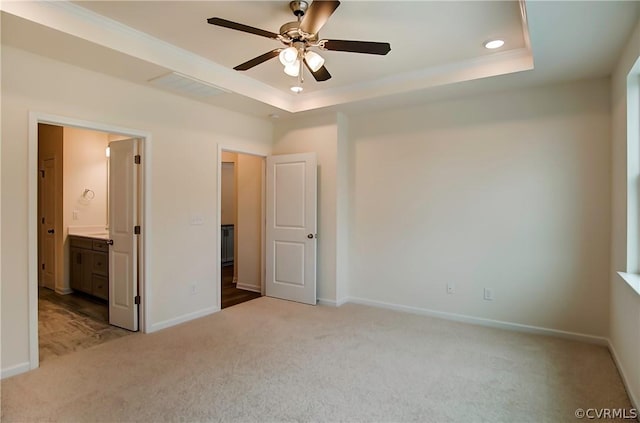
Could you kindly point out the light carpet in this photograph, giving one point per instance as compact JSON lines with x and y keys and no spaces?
{"x":271,"y":360}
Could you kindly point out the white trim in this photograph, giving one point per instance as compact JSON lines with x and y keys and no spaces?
{"x":32,"y":242}
{"x":632,"y":279}
{"x":252,"y":288}
{"x":218,"y":254}
{"x":75,"y":20}
{"x":502,"y":63}
{"x":182,"y":319}
{"x":483,"y":322}
{"x":85,"y":24}
{"x":634,"y":401}
{"x":342,"y":301}
{"x":15,"y":370}
{"x":63,"y":291}
{"x":332,"y":303}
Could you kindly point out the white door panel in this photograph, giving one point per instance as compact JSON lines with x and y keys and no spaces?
{"x":291,"y":227}
{"x":123,"y":253}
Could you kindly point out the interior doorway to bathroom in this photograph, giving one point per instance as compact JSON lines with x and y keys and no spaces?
{"x":241,"y":227}
{"x":75,"y":185}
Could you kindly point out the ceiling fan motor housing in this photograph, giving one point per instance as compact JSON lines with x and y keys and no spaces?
{"x":291,"y":30}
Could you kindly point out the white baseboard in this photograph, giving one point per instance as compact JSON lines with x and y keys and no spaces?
{"x":332,"y":303}
{"x":182,"y":319}
{"x":251,"y":288}
{"x":483,"y":322}
{"x":634,"y":401}
{"x":15,"y":370}
{"x":342,"y":301}
{"x":325,"y":302}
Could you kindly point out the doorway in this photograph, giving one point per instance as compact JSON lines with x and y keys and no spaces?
{"x":241,"y":227}
{"x":73,"y":294}
{"x":71,"y":243}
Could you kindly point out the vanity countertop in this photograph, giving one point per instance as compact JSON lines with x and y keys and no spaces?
{"x":93,"y":232}
{"x":96,"y":235}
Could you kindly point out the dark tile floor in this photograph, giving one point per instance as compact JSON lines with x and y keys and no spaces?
{"x":73,"y":322}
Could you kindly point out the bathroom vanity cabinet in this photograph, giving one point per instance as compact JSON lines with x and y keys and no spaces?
{"x":90,"y":265}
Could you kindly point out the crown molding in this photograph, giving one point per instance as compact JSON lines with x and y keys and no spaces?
{"x":74,"y":20}
{"x":510,"y":61}
{"x":77,"y":21}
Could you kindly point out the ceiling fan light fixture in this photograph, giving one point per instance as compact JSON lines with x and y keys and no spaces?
{"x":493,"y":44}
{"x":296,"y":89}
{"x":314,"y":60}
{"x":293,"y":69}
{"x":288,"y":56}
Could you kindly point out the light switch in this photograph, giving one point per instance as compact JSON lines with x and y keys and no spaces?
{"x":196,"y":219}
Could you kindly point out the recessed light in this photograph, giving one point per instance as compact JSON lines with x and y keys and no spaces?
{"x":296,"y":89}
{"x":493,"y":44}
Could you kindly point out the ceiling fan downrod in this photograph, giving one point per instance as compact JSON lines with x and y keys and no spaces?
{"x":299,"y":8}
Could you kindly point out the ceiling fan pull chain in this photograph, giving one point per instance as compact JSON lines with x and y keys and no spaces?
{"x":300,"y":74}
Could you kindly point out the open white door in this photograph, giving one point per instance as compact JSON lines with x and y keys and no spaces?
{"x":291,"y":192}
{"x":123,"y":218}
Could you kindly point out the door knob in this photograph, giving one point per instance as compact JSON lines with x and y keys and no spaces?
{"x":310,"y":236}
{"x":51,"y":231}
{"x":109,"y":242}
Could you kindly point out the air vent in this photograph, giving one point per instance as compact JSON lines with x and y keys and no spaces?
{"x":187,"y":85}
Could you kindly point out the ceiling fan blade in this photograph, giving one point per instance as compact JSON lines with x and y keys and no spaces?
{"x":320,"y":75}
{"x":257,"y":60}
{"x":240,"y":27}
{"x":317,"y":15}
{"x":368,"y":47}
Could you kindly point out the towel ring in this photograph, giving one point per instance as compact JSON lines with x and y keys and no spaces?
{"x":88,"y":194}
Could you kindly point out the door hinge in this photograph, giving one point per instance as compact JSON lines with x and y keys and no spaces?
{"x":42,"y":266}
{"x":137,"y":299}
{"x":136,"y":229}
{"x":42,"y":173}
{"x":136,"y":159}
{"x":42,"y":220}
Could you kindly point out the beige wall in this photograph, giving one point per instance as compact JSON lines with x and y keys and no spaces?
{"x":508,"y":191}
{"x":248,"y":259}
{"x":625,"y":303}
{"x":344,"y":185}
{"x":228,"y":194}
{"x":85,"y":167}
{"x":182,"y":162}
{"x":318,"y":135}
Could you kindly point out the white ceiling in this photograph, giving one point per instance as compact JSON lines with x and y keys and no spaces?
{"x":184,"y":25}
{"x":436,"y":46}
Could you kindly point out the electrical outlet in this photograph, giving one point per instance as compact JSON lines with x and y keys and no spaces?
{"x":193,"y":288}
{"x":488,"y":294}
{"x":451,"y":288}
{"x":75,"y":215}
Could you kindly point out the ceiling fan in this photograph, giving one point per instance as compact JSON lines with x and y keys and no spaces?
{"x":300,"y":37}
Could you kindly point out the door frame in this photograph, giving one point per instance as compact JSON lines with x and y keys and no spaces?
{"x":233,"y":149}
{"x":32,"y":216}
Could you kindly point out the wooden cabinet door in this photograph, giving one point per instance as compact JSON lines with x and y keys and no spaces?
{"x":76,"y":269}
{"x":81,"y":263}
{"x":100,"y":286}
